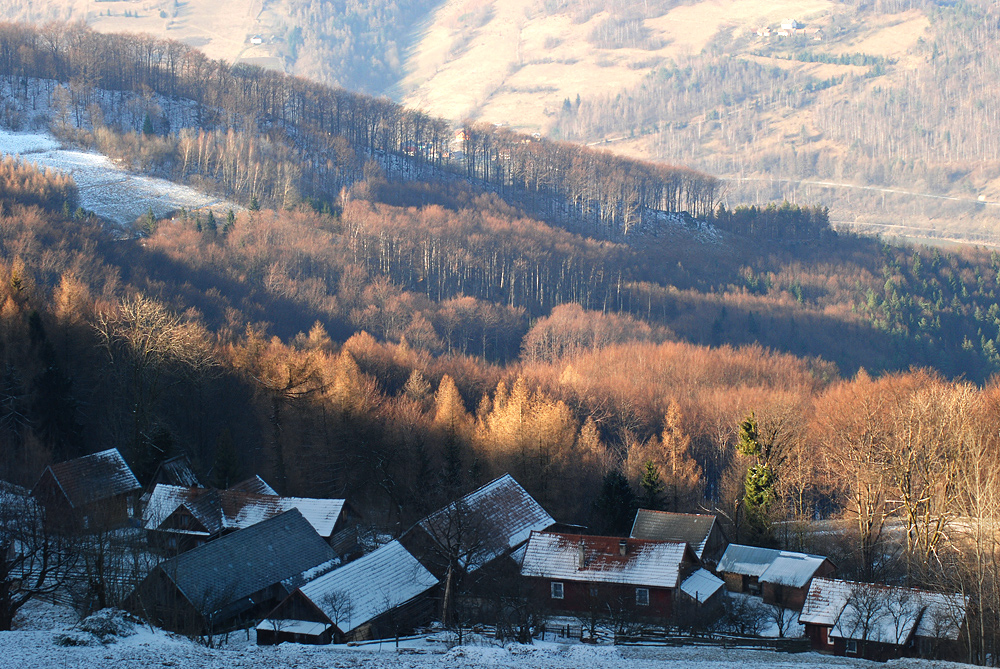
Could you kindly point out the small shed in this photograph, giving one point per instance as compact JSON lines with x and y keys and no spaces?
{"x":882,"y":622}
{"x":237,"y":577}
{"x":97,"y":491}
{"x":580,"y":573}
{"x":702,"y":531}
{"x":380,"y":595}
{"x":779,"y":577}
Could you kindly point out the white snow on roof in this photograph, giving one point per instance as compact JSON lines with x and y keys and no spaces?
{"x":792,"y":569}
{"x":371,"y":585}
{"x":163,"y":501}
{"x":770,"y":565}
{"x":826,"y":599}
{"x":294,"y":626}
{"x":701,"y":585}
{"x":650,"y":563}
{"x":883,"y":613}
{"x":322,"y":514}
{"x":499,"y":516}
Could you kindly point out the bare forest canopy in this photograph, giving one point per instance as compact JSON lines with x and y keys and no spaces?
{"x":277,"y":139}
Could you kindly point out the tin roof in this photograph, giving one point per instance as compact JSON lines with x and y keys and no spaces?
{"x":94,"y":477}
{"x":692,"y":528}
{"x":556,"y":555}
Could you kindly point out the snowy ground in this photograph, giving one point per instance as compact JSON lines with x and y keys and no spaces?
{"x":106,"y":189}
{"x":33,"y":645}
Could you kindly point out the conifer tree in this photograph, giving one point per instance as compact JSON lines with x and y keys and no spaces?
{"x":652,"y":487}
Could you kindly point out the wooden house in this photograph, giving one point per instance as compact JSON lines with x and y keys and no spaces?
{"x":779,"y":577}
{"x":881,"y":622}
{"x":382,"y":594}
{"x":701,"y":531}
{"x":175,"y":471}
{"x":575,"y":573}
{"x":94,"y":492}
{"x":179,"y":519}
{"x":235,"y":578}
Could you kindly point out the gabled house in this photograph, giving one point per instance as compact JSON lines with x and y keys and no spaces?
{"x":701,"y":531}
{"x":576,"y":573}
{"x":94,"y":492}
{"x":235,"y":578}
{"x":491,"y":522}
{"x":382,"y":594}
{"x":178,"y":519}
{"x":779,"y":577}
{"x":882,"y":622}
{"x":175,"y":471}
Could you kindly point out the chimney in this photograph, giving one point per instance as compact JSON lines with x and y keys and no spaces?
{"x":581,"y":558}
{"x":622,"y":547}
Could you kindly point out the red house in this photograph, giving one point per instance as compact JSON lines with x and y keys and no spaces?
{"x":578,"y":574}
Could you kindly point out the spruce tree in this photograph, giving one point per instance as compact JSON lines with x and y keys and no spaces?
{"x":652,"y":486}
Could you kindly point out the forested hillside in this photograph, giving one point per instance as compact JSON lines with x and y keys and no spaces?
{"x":391,"y":324}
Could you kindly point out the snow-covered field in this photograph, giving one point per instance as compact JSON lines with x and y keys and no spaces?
{"x":34,"y":646}
{"x":106,"y":189}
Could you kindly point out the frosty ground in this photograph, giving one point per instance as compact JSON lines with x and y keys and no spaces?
{"x":33,"y":644}
{"x":105,"y":188}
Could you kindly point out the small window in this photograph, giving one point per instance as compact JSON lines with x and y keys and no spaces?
{"x":829,"y":639}
{"x":642,"y":596}
{"x":557,"y":590}
{"x":593,"y":592}
{"x":852,"y":646}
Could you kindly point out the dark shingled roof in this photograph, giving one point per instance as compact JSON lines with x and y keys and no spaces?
{"x":94,"y":477}
{"x":691,"y":528}
{"x":240,"y":564}
{"x":177,"y":471}
{"x":254,"y":484}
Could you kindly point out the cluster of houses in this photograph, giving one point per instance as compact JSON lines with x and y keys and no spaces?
{"x":294,"y":566}
{"x":790,"y":28}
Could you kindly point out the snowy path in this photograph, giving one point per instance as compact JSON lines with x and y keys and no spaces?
{"x":106,"y":189}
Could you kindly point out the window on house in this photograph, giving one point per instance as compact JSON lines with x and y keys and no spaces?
{"x":642,"y":596}
{"x":852,"y":646}
{"x":593,"y":592}
{"x":557,"y":590}
{"x":829,"y":639}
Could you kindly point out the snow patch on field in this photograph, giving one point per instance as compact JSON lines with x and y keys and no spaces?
{"x":34,"y":646}
{"x":106,"y":189}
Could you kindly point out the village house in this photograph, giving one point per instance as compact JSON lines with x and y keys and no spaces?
{"x":382,"y":594}
{"x":233,"y":579}
{"x":94,"y":492}
{"x":175,"y":471}
{"x":178,"y":519}
{"x":779,"y":577}
{"x":881,"y":622}
{"x":701,"y":531}
{"x":575,"y":573}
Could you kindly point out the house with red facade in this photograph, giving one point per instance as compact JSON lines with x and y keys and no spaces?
{"x":575,"y":573}
{"x":882,"y":622}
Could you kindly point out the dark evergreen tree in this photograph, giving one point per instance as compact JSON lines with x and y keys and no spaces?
{"x":615,"y":506}
{"x":652,"y":487}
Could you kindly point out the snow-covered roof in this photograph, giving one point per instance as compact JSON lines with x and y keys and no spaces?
{"x":254,"y":484}
{"x":792,"y":569}
{"x":497,"y":517}
{"x":176,"y":471}
{"x":94,"y":477}
{"x":701,"y":585}
{"x":883,"y":613}
{"x":693,"y":528}
{"x":556,"y":555}
{"x":306,"y":627}
{"x":219,"y":510}
{"x":825,"y":600}
{"x":770,"y":565}
{"x":364,"y":589}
